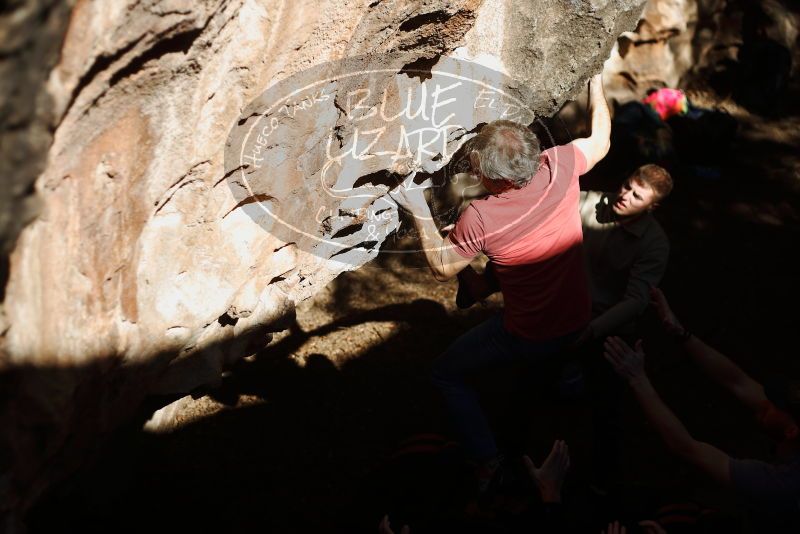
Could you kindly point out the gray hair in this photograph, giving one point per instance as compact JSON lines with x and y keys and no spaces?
{"x":507,"y":151}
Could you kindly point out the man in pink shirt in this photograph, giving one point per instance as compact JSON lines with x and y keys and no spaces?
{"x":530,"y":228}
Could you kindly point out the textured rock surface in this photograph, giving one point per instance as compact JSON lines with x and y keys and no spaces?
{"x":721,"y":29}
{"x":26,"y":117}
{"x":657,"y":54}
{"x":680,"y":40}
{"x":144,"y":273}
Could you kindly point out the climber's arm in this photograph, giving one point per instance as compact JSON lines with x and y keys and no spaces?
{"x":596,"y":146}
{"x":440,"y":253}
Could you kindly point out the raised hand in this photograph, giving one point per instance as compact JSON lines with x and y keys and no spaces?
{"x":549,"y":478}
{"x":627,"y":362}
{"x":385,"y":528}
{"x":596,"y":81}
{"x":614,"y":528}
{"x":669,"y":321}
{"x":651,"y":527}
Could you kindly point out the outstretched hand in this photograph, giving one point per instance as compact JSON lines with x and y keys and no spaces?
{"x":385,"y":528}
{"x":669,"y":321}
{"x":627,"y":362}
{"x":549,"y":478}
{"x":614,"y":528}
{"x":651,"y":527}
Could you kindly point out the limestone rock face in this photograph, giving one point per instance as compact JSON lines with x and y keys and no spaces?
{"x":678,"y":41}
{"x":148,"y":269}
{"x":657,"y":54}
{"x":26,"y":118}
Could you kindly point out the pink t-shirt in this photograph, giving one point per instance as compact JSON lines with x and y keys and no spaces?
{"x":533,"y":236}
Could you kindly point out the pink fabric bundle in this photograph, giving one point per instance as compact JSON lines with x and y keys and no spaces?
{"x":668,"y":102}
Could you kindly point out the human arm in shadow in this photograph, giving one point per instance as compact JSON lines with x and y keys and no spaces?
{"x":646,"y":272}
{"x":712,"y":362}
{"x":629,"y":364}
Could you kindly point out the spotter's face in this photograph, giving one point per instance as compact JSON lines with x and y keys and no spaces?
{"x":634,"y":198}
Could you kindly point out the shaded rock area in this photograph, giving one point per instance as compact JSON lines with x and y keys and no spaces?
{"x":27,"y":119}
{"x":657,"y":54}
{"x":143,"y":272}
{"x":722,"y":42}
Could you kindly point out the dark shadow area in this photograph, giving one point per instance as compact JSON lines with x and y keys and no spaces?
{"x":292,"y":463}
{"x":3,"y":276}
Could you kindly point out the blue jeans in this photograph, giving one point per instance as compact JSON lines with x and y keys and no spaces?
{"x":485,"y":346}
